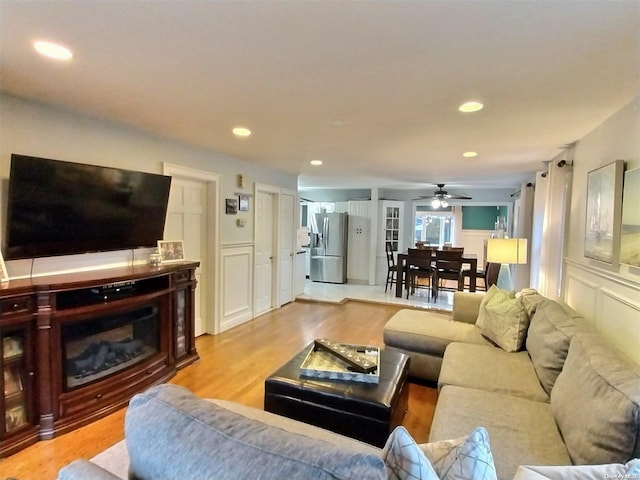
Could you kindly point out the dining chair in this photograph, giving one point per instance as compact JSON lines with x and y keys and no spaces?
{"x":488,"y":275}
{"x":392,"y":273}
{"x":448,"y":266}
{"x":419,"y":265}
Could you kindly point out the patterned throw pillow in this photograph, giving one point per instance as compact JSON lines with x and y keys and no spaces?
{"x":404,"y":459}
{"x":466,"y":458}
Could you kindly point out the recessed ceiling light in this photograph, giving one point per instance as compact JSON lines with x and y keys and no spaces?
{"x":53,"y":50}
{"x":316,"y":163}
{"x":470,"y":154}
{"x":469,"y":107}
{"x":241,"y":132}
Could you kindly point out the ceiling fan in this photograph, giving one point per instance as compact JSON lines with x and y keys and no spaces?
{"x":441,"y":197}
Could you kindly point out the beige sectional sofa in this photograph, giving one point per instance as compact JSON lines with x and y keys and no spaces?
{"x":546,"y":386}
{"x":569,"y":398}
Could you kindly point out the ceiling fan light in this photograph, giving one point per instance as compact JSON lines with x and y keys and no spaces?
{"x":435,"y":203}
{"x":444,"y":203}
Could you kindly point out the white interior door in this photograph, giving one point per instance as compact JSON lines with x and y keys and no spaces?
{"x":287,"y":247}
{"x":187,"y":221}
{"x":264,"y":252}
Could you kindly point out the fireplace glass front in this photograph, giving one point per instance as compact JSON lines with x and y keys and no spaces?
{"x":98,"y":347}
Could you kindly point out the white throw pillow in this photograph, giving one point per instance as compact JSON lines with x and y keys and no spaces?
{"x":466,"y":458}
{"x":404,"y":459}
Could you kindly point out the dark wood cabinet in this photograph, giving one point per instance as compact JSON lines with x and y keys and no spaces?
{"x":77,"y":347}
{"x":18,"y":420}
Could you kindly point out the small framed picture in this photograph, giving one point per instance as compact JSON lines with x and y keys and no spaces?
{"x":14,"y":417}
{"x":4,"y":276}
{"x":231,"y":206}
{"x":171,"y":250}
{"x":12,"y":380}
{"x":243,"y":203}
{"x":11,"y":347}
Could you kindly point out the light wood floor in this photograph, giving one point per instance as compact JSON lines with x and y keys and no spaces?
{"x":233,"y":366}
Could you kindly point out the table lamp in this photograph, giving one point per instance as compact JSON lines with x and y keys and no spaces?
{"x":506,"y":251}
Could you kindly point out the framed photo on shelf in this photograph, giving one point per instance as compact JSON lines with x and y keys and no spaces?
{"x":243,"y":203}
{"x":604,"y":213}
{"x":11,"y":347}
{"x":15,"y":417}
{"x":171,"y":250}
{"x":231,"y":206}
{"x":4,"y":276}
{"x":12,"y":380}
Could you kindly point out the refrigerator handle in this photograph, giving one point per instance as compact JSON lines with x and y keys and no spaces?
{"x":326,"y":234}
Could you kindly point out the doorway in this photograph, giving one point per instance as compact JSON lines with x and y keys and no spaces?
{"x":191,"y":217}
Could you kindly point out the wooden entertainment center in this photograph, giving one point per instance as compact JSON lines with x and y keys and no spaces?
{"x":77,"y":347}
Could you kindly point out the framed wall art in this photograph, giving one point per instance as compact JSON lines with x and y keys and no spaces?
{"x":243,"y":203}
{"x":604,"y":213}
{"x":231,"y":206}
{"x":630,"y":236}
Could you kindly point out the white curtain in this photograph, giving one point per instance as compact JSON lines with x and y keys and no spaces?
{"x":552,"y":237}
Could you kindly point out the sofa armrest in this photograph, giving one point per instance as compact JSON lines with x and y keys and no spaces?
{"x":83,"y":470}
{"x":466,"y":306}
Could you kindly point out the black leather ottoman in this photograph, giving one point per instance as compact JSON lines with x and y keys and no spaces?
{"x":364,"y":411}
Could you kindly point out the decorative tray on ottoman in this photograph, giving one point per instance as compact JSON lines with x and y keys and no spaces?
{"x":342,"y":361}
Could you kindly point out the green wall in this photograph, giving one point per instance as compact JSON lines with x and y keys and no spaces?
{"x":482,"y":217}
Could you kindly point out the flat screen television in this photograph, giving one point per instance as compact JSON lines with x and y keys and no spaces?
{"x":63,"y":208}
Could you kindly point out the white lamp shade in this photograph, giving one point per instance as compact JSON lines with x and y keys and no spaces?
{"x":507,"y":250}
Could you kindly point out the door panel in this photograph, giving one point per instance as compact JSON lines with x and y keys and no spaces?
{"x":287,"y":245}
{"x":264,"y":247}
{"x":187,"y":221}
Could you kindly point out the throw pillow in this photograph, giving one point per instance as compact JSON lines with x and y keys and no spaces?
{"x":462,"y":458}
{"x":492,"y":292}
{"x":404,"y":459}
{"x":504,"y":320}
{"x":633,"y":468}
{"x":530,"y":299}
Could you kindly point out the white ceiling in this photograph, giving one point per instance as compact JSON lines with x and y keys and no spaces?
{"x":370,"y":87}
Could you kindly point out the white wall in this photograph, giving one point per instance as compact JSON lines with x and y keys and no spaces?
{"x":609,"y":297}
{"x":39,"y":130}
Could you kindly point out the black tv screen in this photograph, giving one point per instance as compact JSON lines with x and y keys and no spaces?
{"x":64,"y":208}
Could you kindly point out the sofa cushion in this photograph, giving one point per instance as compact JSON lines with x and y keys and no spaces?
{"x":427,"y":332}
{"x":404,"y":459}
{"x":522,"y":431}
{"x":491,"y":369}
{"x":503,"y":319}
{"x":462,"y":458}
{"x":550,"y":332}
{"x":172,"y":434}
{"x":596,"y":403}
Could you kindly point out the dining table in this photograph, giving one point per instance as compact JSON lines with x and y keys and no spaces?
{"x":402,"y":266}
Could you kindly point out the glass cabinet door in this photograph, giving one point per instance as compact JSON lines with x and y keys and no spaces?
{"x":16,"y":379}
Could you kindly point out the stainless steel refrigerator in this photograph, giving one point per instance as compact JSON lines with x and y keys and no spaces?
{"x":329,"y":247}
